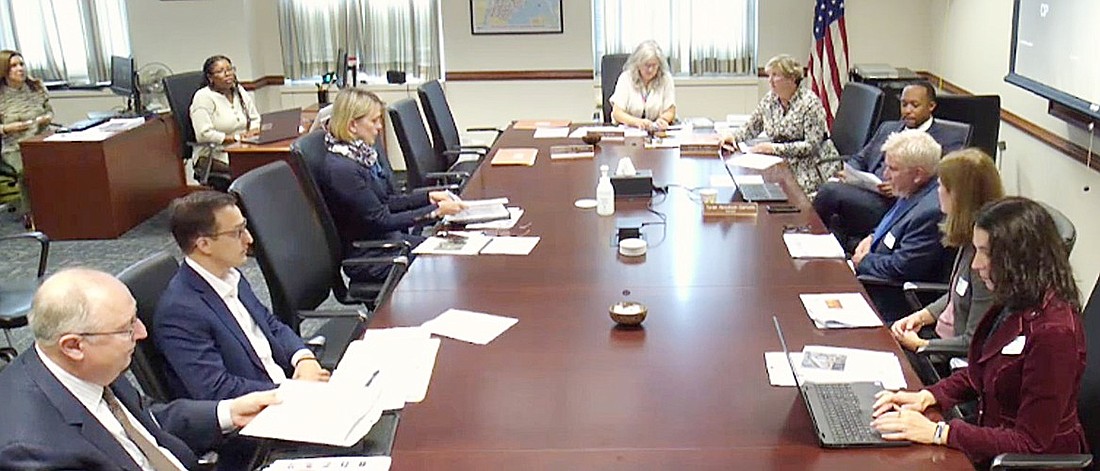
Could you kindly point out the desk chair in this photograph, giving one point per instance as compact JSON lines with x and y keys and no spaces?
{"x":147,"y":279}
{"x":16,"y":295}
{"x":982,"y":113}
{"x":856,"y":117}
{"x":611,"y":66}
{"x":180,"y":89}
{"x":441,"y":121}
{"x":300,"y":264}
{"x":425,"y":166}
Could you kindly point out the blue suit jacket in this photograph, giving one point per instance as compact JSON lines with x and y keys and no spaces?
{"x":209,"y":355}
{"x":917,"y":253}
{"x":871,"y":158}
{"x":46,"y":427}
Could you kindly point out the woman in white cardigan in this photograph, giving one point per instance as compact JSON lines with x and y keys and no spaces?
{"x":222,"y":112}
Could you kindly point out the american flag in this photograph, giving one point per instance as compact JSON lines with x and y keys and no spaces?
{"x":828,"y":63}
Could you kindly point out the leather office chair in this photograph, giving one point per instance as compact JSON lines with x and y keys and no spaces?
{"x":982,"y":113}
{"x":857,"y":117}
{"x":147,"y":279}
{"x":16,"y":295}
{"x":425,"y":167}
{"x":441,"y":122}
{"x":294,"y":249}
{"x":611,"y":66}
{"x":180,"y":89}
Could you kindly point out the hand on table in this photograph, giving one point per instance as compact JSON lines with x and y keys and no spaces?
{"x":309,"y":369}
{"x":441,"y":196}
{"x":763,"y":148}
{"x":243,"y":409}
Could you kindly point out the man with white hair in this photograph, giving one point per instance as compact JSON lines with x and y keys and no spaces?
{"x":67,"y":405}
{"x":906,"y":243}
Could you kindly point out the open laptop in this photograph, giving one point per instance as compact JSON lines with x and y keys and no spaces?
{"x":756,"y":192}
{"x":277,"y":126}
{"x":841,"y":412}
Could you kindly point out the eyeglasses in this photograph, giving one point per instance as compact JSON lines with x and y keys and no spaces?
{"x":224,"y":72}
{"x":129,"y":332}
{"x":236,"y":233}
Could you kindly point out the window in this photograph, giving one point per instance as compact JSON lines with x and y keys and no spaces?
{"x":700,"y":37}
{"x":65,"y":40}
{"x":382,"y":34}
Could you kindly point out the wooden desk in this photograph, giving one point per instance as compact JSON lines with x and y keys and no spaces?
{"x":566,"y":389}
{"x":244,"y":157}
{"x":99,"y":190}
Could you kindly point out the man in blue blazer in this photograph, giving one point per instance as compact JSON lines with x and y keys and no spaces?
{"x":905,"y":244}
{"x":851,"y":212}
{"x":66,"y":405}
{"x":218,"y":338}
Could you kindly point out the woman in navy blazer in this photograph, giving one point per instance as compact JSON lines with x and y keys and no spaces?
{"x":1026,"y":358}
{"x":358,"y":189}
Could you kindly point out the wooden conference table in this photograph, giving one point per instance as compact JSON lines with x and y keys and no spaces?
{"x":566,"y":389}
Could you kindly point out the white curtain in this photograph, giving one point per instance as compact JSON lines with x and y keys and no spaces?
{"x":68,"y":41}
{"x":700,"y":37}
{"x":383,"y":35}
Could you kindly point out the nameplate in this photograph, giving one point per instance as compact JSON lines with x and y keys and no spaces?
{"x":700,"y":150}
{"x":730,"y":209}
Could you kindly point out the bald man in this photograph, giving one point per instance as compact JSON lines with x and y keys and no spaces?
{"x":67,"y":406}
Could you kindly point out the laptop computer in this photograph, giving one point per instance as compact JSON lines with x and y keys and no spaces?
{"x":840,"y":412}
{"x":756,"y":192}
{"x":277,"y":126}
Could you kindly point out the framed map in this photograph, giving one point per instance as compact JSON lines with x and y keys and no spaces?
{"x":515,"y":16}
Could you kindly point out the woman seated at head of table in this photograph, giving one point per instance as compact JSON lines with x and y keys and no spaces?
{"x":1027,"y":355}
{"x":793,"y":119}
{"x":968,"y":180}
{"x":644,"y":96}
{"x":222,"y":112}
{"x":358,"y":190}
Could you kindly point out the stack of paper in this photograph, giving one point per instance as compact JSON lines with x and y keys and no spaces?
{"x":513,"y":217}
{"x":480,"y":211}
{"x":839,"y":310}
{"x":754,"y":161}
{"x":468,"y":326}
{"x":551,"y":133}
{"x":813,"y":246}
{"x":454,"y":243}
{"x":404,"y":355}
{"x":510,"y":246}
{"x":820,"y":364}
{"x":866,"y":180}
{"x":515,"y":156}
{"x":358,"y":463}
{"x":338,"y":414}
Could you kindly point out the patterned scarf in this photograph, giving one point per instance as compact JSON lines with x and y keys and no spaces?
{"x":356,"y":150}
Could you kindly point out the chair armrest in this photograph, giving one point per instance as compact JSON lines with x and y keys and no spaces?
{"x":876,"y":281}
{"x":382,"y":244}
{"x":466,"y":150}
{"x":361,"y":261}
{"x":362,"y":314}
{"x":923,"y":286}
{"x":485,"y":129}
{"x":950,"y":350}
{"x":445,"y":177}
{"x":43,"y":242}
{"x":1022,"y":461}
{"x":429,"y":189}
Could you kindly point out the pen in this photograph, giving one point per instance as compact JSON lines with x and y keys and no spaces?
{"x":371,"y":379}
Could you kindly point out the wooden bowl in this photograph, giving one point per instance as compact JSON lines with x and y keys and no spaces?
{"x":628,"y":313}
{"x":592,"y":138}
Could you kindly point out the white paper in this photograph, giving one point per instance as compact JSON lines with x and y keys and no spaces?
{"x":510,"y":246}
{"x":86,"y":135}
{"x":456,"y":243}
{"x":859,"y":366}
{"x":754,"y":161}
{"x":117,"y":125}
{"x":626,"y":130}
{"x":468,"y":326}
{"x":860,"y":178}
{"x":839,"y":310}
{"x":514,"y":214}
{"x":406,"y":356}
{"x":357,"y":463}
{"x":314,"y":412}
{"x":721,"y":181}
{"x":549,"y":133}
{"x":813,"y":245}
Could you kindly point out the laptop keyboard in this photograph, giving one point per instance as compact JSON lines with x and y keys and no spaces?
{"x":765,"y":192}
{"x":843,"y":416}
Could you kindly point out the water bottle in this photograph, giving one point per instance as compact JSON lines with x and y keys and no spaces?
{"x":605,"y":194}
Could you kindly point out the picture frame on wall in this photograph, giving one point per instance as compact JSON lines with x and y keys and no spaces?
{"x":516,"y":17}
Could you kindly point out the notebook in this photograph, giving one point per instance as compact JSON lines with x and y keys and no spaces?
{"x":515,"y":156}
{"x":840,"y":412}
{"x":277,"y":126}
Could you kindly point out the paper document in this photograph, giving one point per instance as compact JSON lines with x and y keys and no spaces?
{"x":540,"y":123}
{"x":404,"y":355}
{"x":514,"y":214}
{"x":510,"y":246}
{"x":87,"y":135}
{"x":515,"y":156}
{"x":860,"y":178}
{"x":721,"y":181}
{"x":754,"y":161}
{"x":819,"y":364}
{"x":469,"y":326}
{"x":480,"y":211}
{"x":839,"y":310}
{"x":356,"y":463}
{"x":325,"y":413}
{"x":549,"y":133}
{"x":117,"y":125}
{"x":454,"y":243}
{"x":813,"y":246}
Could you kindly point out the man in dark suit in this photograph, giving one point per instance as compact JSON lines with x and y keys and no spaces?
{"x":66,"y":406}
{"x":905,"y":244}
{"x":218,"y":338}
{"x":851,"y":212}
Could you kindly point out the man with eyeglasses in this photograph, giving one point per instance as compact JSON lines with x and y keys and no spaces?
{"x":66,"y":405}
{"x":218,"y":338}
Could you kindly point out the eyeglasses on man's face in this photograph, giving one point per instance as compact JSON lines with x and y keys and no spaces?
{"x":129,"y":332}
{"x":236,"y":232}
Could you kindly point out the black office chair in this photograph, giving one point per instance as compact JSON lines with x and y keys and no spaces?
{"x":299,"y":263}
{"x":16,"y":295}
{"x":857,"y":117}
{"x":147,"y":279}
{"x":441,"y":122}
{"x":982,"y":113}
{"x":1087,"y":399}
{"x":180,"y":89}
{"x":425,"y":167}
{"x":611,"y":66}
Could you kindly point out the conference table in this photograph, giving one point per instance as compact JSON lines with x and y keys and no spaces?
{"x":565,"y":388}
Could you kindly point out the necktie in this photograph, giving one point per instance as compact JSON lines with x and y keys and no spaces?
{"x":152,"y":452}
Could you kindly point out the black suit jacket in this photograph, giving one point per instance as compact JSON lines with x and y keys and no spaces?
{"x":871,"y":158}
{"x":46,"y":427}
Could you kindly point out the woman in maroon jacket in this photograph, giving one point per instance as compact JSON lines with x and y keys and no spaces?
{"x":1026,"y":358}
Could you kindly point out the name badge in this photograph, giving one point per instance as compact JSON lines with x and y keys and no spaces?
{"x":889,"y":240}
{"x":961,"y":286}
{"x":1015,"y":347}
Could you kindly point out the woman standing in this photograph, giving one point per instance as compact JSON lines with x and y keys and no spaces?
{"x":222,"y":112}
{"x":644,"y":96}
{"x":24,"y":112}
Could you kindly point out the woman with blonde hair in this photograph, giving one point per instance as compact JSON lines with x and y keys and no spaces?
{"x":644,"y":96}
{"x":968,"y":181}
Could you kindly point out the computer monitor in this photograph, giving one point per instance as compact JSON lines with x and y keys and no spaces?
{"x":124,"y":82}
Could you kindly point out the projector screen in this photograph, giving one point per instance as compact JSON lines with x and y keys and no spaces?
{"x":1056,"y":52}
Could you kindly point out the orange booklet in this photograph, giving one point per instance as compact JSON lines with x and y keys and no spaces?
{"x":540,"y":123}
{"x":515,"y":156}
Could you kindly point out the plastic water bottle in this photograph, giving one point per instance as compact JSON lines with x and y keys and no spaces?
{"x":605,"y":194}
